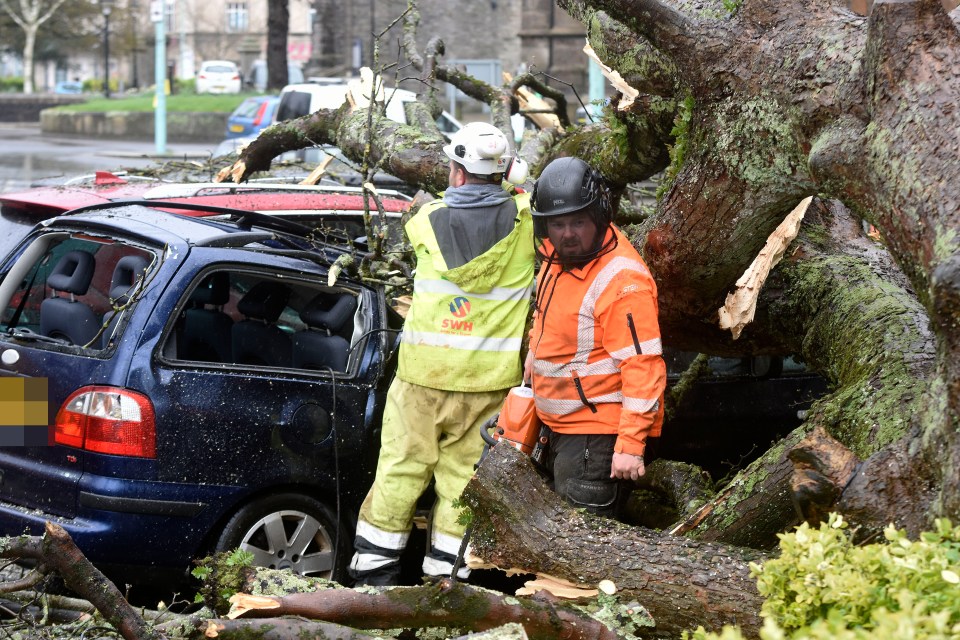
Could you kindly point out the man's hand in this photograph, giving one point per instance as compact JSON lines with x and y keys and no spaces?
{"x":528,"y":367}
{"x":627,"y":467}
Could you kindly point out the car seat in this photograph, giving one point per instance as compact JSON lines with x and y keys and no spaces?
{"x":69,"y":318}
{"x":257,"y":340}
{"x":206,"y":332}
{"x":127,"y":275}
{"x":319,"y":346}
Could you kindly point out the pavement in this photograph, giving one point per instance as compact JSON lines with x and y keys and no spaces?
{"x":27,"y":154}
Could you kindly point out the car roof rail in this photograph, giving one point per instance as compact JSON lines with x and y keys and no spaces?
{"x":244,"y":219}
{"x":193,"y":189}
{"x":285,"y":231}
{"x":241,"y":239}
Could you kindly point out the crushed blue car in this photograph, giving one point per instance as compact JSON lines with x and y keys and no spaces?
{"x":208,"y":389}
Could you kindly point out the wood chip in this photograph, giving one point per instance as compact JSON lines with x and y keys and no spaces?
{"x":607,"y":587}
{"x":318,"y":171}
{"x":401,"y":304}
{"x":213,"y":629}
{"x":557,"y":586}
{"x":360,"y":91}
{"x":529,"y":101}
{"x":476,"y":562}
{"x":240,"y":603}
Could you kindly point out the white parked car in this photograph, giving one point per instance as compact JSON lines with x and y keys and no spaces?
{"x":218,"y":76}
{"x":327,"y":93}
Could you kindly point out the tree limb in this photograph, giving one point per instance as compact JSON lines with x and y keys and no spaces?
{"x":444,"y":604}
{"x":58,"y":551}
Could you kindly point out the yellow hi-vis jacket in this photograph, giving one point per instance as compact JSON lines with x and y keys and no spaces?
{"x":465,"y":326}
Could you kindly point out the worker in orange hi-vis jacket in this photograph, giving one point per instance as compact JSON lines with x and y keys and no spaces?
{"x":595,"y":359}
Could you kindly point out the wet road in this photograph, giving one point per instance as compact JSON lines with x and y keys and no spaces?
{"x":27,"y":155}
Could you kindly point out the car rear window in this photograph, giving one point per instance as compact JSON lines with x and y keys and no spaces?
{"x":220,"y":68}
{"x":14,"y":227}
{"x":293,"y":104}
{"x":79,"y":290}
{"x":247,"y":109}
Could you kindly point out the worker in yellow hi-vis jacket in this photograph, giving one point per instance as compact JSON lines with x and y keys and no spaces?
{"x":459,"y":353}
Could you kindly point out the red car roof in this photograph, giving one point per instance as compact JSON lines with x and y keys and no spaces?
{"x":50,"y":201}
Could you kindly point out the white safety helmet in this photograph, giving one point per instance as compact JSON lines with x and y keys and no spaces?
{"x":481,"y":148}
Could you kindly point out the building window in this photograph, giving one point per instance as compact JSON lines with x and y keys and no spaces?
{"x":237,"y":17}
{"x":168,"y":16}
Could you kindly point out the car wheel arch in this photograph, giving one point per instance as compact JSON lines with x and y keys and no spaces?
{"x":294,"y":500}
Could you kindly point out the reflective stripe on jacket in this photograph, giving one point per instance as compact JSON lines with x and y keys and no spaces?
{"x":465,"y":326}
{"x":598,"y":365}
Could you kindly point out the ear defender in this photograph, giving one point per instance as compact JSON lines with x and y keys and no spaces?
{"x":517,"y":171}
{"x":603,"y":193}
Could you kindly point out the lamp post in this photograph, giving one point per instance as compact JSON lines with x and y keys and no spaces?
{"x":157,"y":15}
{"x":134,"y":11}
{"x":106,"y":6}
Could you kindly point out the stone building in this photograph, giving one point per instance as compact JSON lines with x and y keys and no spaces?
{"x":333,"y":38}
{"x":487,"y":37}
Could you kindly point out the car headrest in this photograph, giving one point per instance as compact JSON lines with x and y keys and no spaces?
{"x":329,"y":311}
{"x":73,"y":273}
{"x":265,"y":301}
{"x":215,"y":289}
{"x":129,"y":269}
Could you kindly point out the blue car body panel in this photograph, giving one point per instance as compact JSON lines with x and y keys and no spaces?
{"x":252,"y":116}
{"x":224,"y":433}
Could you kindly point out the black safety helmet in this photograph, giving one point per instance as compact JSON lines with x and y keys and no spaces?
{"x":569,"y":185}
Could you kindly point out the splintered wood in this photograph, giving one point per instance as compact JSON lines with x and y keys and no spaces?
{"x":629,"y":93}
{"x":738,"y":309}
{"x":529,"y":101}
{"x":240,"y":603}
{"x":557,"y":586}
{"x":360,"y":91}
{"x":318,"y":171}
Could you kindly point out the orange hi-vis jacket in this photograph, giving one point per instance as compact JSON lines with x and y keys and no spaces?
{"x":598,"y":365}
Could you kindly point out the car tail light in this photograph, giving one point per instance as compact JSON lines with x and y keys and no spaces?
{"x":236,"y":76}
{"x":260,"y":112}
{"x":108,"y":420}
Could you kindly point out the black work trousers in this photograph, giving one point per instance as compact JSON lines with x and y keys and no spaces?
{"x":580,"y":464}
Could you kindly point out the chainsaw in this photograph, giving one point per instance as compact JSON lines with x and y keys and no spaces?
{"x":518,"y":426}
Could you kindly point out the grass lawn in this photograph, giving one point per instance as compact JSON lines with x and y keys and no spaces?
{"x":219,"y":103}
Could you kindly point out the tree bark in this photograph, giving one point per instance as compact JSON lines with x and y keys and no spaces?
{"x":278,"y":25}
{"x":56,"y":550}
{"x":273,"y":629}
{"x":446,"y":603}
{"x":520,"y":523}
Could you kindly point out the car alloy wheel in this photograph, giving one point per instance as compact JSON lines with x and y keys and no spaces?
{"x":288,"y":531}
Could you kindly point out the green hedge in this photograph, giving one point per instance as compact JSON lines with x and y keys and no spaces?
{"x":95,"y":85}
{"x":11,"y":85}
{"x":822,"y":587}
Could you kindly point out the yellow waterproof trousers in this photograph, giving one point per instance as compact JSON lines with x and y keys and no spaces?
{"x":427,"y":433}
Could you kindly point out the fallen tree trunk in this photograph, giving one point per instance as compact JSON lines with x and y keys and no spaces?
{"x":520,"y":523}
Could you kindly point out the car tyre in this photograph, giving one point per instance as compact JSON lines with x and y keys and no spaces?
{"x":290,"y":531}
